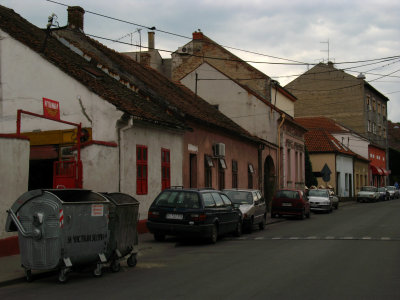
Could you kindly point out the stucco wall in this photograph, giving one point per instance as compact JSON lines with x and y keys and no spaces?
{"x":14,"y":170}
{"x":360,"y":174}
{"x":100,"y":168}
{"x":318,"y":161}
{"x":26,"y":78}
{"x":344,"y":165}
{"x":234,"y":101}
{"x":154,"y":139}
{"x":200,"y":142}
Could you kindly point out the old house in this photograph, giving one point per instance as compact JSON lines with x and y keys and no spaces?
{"x":351,"y":168}
{"x":247,"y":96}
{"x":327,"y":91}
{"x":48,"y":93}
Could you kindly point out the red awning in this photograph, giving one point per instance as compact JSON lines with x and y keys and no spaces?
{"x":376,"y":170}
{"x":385,"y":172}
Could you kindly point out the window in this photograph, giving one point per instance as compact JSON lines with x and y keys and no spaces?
{"x":234,"y":174}
{"x":369,"y":126}
{"x":221,"y":174}
{"x":250,"y":176}
{"x":368,"y":100}
{"x":208,"y":200}
{"x":218,"y":200}
{"x":373,"y":104}
{"x":165,"y":169}
{"x":208,"y":164}
{"x":289,"y":169}
{"x":142,"y":171}
{"x":379,"y":108}
{"x":226,"y":200}
{"x":373,"y":128}
{"x":383,"y":110}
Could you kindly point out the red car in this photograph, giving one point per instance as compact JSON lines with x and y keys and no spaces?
{"x":290,"y":202}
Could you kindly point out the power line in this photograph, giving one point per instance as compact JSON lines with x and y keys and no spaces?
{"x":293,"y":62}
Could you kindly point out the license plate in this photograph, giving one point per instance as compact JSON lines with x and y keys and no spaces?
{"x":286,"y":204}
{"x":174,"y":216}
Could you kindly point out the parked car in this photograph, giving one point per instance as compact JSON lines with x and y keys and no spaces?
{"x":188,"y":212}
{"x":334,"y":198}
{"x":383,"y":194}
{"x":320,"y":200}
{"x":394,"y":193}
{"x":368,"y":194}
{"x":290,"y":202}
{"x":251,"y":204}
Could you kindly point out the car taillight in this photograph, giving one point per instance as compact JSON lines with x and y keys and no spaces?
{"x":153,"y":215}
{"x":198,"y":217}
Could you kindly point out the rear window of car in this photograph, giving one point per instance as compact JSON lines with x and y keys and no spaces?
{"x":368,"y":189}
{"x":318,"y":193}
{"x":178,"y":199}
{"x":287,"y":194}
{"x":240,"y":197}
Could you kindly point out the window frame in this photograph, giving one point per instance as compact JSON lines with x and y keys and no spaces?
{"x":165,"y":168}
{"x":142,"y":156}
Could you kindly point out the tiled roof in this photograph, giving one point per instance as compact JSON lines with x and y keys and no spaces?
{"x":321,"y":123}
{"x":320,"y":140}
{"x":83,"y":71}
{"x":179,"y":100}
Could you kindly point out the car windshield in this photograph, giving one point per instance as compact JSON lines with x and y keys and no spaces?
{"x":287,"y":194}
{"x":368,"y":189}
{"x":382,"y":189}
{"x":178,"y":199}
{"x":239,"y":197}
{"x":318,"y":193}
{"x":391,"y":188}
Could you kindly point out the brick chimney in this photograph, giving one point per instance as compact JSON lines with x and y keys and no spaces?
{"x":151,"y":40}
{"x":198,"y":35}
{"x":75,"y":17}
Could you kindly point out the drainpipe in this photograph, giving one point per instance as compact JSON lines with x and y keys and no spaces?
{"x":123,"y":124}
{"x":279,"y":150}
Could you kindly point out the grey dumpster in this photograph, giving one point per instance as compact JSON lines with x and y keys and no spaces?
{"x":60,"y":229}
{"x":123,"y":241}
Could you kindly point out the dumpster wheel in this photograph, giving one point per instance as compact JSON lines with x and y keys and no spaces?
{"x":97,"y":272}
{"x":115,"y":266}
{"x":132,"y":261}
{"x":63,"y":275}
{"x":28,"y":275}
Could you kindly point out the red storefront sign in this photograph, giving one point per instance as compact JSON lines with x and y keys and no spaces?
{"x":51,"y":109}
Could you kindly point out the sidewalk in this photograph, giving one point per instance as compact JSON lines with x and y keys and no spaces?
{"x":12,"y":272}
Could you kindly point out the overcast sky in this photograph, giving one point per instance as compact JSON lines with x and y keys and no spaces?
{"x":289,"y":29}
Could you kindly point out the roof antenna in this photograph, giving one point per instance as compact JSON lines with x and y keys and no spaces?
{"x":51,"y":19}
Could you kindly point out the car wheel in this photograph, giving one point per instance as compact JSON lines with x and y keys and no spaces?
{"x":261,"y":225}
{"x":337,"y":206}
{"x":238,"y":230}
{"x":308,"y":215}
{"x":303,"y":214}
{"x":214,"y":234}
{"x":159,"y":237}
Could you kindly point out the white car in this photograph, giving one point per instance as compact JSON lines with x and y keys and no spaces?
{"x":320,"y":200}
{"x":368,"y":194}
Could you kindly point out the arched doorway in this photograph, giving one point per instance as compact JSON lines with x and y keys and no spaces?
{"x":269,"y":180}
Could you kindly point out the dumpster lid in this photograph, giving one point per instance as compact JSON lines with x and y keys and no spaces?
{"x":10,"y":226}
{"x":121,"y":199}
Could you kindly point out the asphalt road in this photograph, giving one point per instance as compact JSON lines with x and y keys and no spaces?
{"x":352,"y":253}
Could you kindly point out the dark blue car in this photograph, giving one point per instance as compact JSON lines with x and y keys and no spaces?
{"x":204,"y":213}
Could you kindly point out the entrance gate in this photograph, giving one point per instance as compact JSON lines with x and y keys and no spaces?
{"x":66,"y":173}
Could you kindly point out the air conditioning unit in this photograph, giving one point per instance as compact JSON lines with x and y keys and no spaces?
{"x":219,"y":149}
{"x":185,"y":50}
